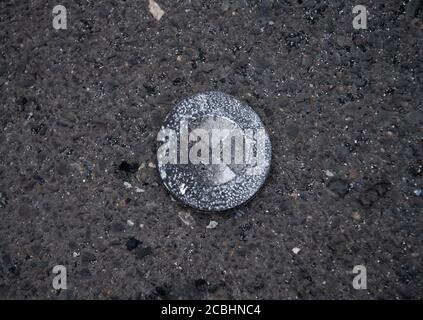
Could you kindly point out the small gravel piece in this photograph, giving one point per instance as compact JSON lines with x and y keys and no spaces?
{"x":139,"y":190}
{"x":128,"y":167}
{"x":356,"y":215}
{"x":296,"y":250}
{"x":3,"y":200}
{"x":132,"y":243}
{"x":212,"y":224}
{"x":127,"y":185}
{"x":186,"y":218}
{"x":338,"y":186}
{"x":329,"y":173}
{"x":155,"y":10}
{"x":130,"y":222}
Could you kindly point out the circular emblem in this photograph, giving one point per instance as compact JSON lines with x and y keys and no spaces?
{"x":213,"y":152}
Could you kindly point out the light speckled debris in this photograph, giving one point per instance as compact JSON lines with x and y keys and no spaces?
{"x":139,"y":190}
{"x":151,"y":165}
{"x":127,"y":185}
{"x":296,"y":250}
{"x":155,"y":10}
{"x":329,"y":173}
{"x":212,"y":224}
{"x":130,"y":223}
{"x":186,"y":218}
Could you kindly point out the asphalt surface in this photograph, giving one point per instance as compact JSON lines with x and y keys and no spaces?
{"x":80,"y":110}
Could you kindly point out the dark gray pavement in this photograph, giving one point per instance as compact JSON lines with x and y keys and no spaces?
{"x":80,"y":110}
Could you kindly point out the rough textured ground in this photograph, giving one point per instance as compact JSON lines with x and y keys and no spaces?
{"x":80,"y":110}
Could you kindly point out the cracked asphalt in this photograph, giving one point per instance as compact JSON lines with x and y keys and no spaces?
{"x":81,"y":108}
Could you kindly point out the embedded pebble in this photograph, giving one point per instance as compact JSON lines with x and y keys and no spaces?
{"x":132,"y":243}
{"x":329,"y":173}
{"x":130,"y":223}
{"x":127,"y":185}
{"x":186,"y":218}
{"x":156,"y":11}
{"x":151,"y":165}
{"x":127,"y":167}
{"x":338,"y":186}
{"x":296,"y":250}
{"x":212,"y":224}
{"x":3,"y":200}
{"x":356,"y":215}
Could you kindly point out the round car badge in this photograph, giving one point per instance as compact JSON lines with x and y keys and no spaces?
{"x":213,"y":152}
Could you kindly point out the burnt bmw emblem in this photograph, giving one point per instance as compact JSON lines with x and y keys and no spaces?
{"x":213,"y":152}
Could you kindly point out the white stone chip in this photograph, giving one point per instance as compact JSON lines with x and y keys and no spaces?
{"x":155,"y":10}
{"x":127,"y":185}
{"x":296,"y":250}
{"x":212,"y":224}
{"x":329,"y":173}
